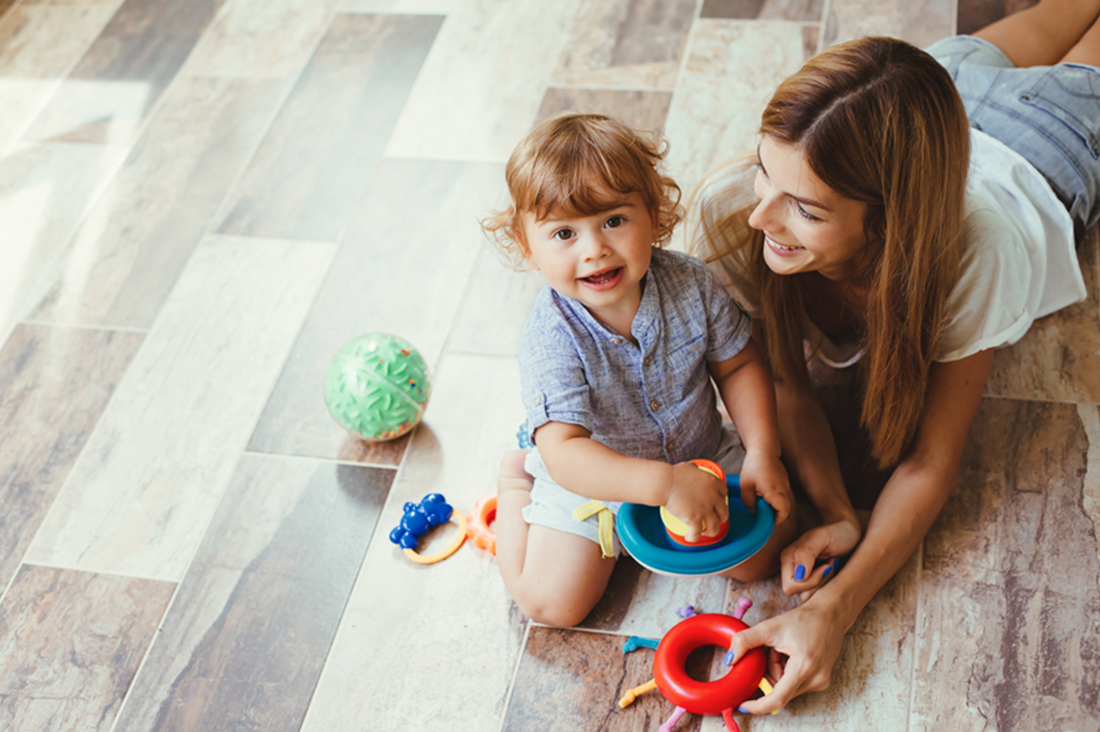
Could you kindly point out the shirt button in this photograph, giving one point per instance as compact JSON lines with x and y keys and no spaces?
{"x":537,"y":400}
{"x":654,"y":405}
{"x":671,"y":445}
{"x":645,"y":361}
{"x":617,"y":341}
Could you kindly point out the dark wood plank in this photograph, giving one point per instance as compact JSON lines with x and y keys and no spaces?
{"x":143,"y":47}
{"x":639,"y":109}
{"x":313,"y":164}
{"x":572,"y":680}
{"x":807,"y":10}
{"x":251,"y":625}
{"x":70,"y":644}
{"x":54,"y":384}
{"x":973,"y":15}
{"x":398,"y":271}
{"x":1010,"y":600}
{"x":135,"y":242}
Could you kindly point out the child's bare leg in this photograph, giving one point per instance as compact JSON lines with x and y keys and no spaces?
{"x":554,"y":577}
{"x":1043,"y":34}
{"x":1087,"y":50}
{"x":765,"y":562}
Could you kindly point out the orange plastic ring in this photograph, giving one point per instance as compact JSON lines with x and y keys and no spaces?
{"x":478,"y":520}
{"x":413,"y":555}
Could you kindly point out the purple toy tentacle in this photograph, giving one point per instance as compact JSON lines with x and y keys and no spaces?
{"x":667,"y":726}
{"x":743,"y":606}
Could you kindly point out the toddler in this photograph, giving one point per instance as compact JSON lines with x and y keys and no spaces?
{"x":616,"y":365}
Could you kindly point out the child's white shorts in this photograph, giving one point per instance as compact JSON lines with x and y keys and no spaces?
{"x":553,"y":506}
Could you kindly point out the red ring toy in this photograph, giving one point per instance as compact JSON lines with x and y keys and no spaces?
{"x":705,"y":697}
{"x":478,"y":520}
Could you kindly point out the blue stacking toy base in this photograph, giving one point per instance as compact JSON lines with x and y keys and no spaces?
{"x":643,"y":535}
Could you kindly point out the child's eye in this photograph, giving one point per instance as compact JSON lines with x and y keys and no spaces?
{"x":615,"y":221}
{"x":804,"y":213}
{"x":563,"y":234}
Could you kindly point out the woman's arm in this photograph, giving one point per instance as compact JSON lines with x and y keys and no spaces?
{"x":811,"y":635}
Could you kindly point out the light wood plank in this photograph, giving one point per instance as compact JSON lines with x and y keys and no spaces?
{"x":308,"y":174}
{"x":54,"y":384}
{"x":146,"y":485}
{"x":259,"y":39}
{"x":253,"y":619}
{"x":452,"y":625}
{"x":70,"y":643}
{"x":483,"y":80}
{"x":398,"y":271}
{"x":921,"y":22}
{"x":132,"y":246}
{"x":716,"y":109}
{"x":118,"y":81}
{"x":44,"y":42}
{"x":45,"y":189}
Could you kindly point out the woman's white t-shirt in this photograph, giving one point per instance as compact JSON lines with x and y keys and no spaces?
{"x":1019,"y":262}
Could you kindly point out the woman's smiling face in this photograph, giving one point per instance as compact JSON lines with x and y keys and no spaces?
{"x":808,"y":227}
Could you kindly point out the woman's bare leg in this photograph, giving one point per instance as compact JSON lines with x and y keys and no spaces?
{"x":1087,"y":50}
{"x":1043,"y":34}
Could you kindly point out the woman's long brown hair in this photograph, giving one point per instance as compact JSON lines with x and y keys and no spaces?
{"x":879,"y":121}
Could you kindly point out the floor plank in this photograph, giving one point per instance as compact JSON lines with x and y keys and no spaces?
{"x":133,"y":245}
{"x":45,"y":190}
{"x":635,"y":44}
{"x":70,"y":643}
{"x":119,"y":80}
{"x":398,"y":271}
{"x":252,"y":622}
{"x":44,"y":42}
{"x":448,"y":628}
{"x":921,"y":22}
{"x":1011,"y":600}
{"x":484,"y":76}
{"x":56,"y":383}
{"x":1058,"y":359}
{"x":716,"y":109}
{"x":260,"y":39}
{"x":805,"y":10}
{"x":308,"y":174}
{"x":143,"y":491}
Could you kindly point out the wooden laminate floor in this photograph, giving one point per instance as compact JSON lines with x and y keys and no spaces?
{"x":201,"y":200}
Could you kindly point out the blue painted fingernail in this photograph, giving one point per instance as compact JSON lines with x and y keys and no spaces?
{"x":828,"y":571}
{"x":799,"y":573}
{"x":727,"y":660}
{"x":742,"y":710}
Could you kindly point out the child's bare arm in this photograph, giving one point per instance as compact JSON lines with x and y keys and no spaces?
{"x":745,"y":384}
{"x":589,"y":468}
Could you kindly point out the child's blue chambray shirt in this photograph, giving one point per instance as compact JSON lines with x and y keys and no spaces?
{"x":653,"y":400}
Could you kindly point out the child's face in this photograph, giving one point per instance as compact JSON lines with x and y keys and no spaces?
{"x":808,"y":227}
{"x":598,"y":260}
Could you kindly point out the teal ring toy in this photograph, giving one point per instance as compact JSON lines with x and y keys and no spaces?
{"x":643,"y":535}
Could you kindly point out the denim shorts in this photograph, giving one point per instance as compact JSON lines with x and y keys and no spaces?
{"x":1048,"y":114}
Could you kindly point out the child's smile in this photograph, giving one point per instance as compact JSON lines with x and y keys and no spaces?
{"x":599,"y":259}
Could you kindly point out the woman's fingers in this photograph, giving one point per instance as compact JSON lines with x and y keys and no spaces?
{"x":745,"y":641}
{"x":799,"y":562}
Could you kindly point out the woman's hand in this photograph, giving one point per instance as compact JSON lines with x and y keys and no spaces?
{"x":764,"y":475}
{"x":813,"y":558}
{"x":698,"y":499}
{"x":809,"y":637}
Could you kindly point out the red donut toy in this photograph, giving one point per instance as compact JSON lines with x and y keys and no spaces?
{"x":705,"y":697}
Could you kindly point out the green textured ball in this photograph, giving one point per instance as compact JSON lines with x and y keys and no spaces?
{"x":377,"y":387}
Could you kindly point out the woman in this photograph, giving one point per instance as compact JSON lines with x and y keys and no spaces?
{"x":856,"y":234}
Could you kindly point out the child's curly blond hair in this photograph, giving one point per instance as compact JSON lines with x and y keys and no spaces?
{"x":572,"y":163}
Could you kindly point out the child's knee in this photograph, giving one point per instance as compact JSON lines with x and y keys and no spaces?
{"x":511,"y":468}
{"x":551,"y":608}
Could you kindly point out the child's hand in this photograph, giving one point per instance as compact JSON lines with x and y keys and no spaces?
{"x":764,"y":475}
{"x":697,"y":498}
